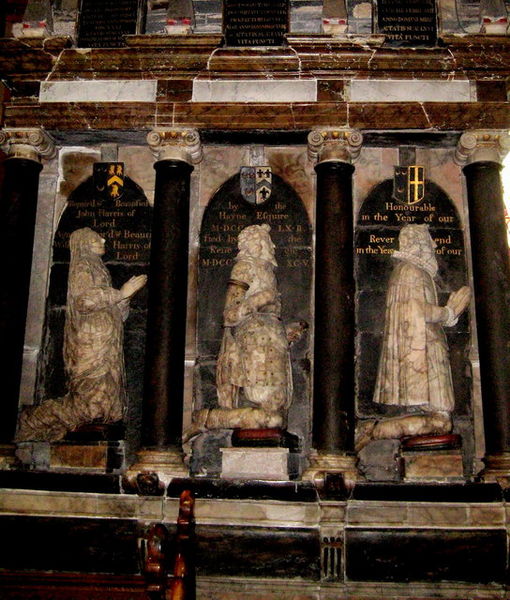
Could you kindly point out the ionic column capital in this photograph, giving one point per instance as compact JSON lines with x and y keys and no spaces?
{"x":334,"y":144}
{"x":176,"y":144}
{"x":482,"y":145}
{"x":32,"y":144}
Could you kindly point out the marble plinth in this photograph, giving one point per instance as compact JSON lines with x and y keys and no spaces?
{"x":99,"y":456}
{"x":427,"y":466}
{"x":98,"y":91}
{"x":255,"y":463}
{"x":303,"y":90}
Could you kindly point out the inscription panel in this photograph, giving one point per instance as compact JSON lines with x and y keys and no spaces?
{"x":104,"y":23}
{"x":408,"y":22}
{"x":255,"y":23}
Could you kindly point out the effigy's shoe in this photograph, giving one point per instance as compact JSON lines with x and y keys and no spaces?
{"x":198,"y":425}
{"x":364,"y":432}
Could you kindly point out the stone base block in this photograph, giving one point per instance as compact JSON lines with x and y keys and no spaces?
{"x":255,"y":463}
{"x":105,"y":457}
{"x":497,"y":469}
{"x":154,"y":470}
{"x":7,"y":456}
{"x":320,"y":465}
{"x":444,"y":466}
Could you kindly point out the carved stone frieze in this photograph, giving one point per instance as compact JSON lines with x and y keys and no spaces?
{"x":334,"y":144}
{"x":481,"y":145}
{"x":32,"y":144}
{"x":176,"y":144}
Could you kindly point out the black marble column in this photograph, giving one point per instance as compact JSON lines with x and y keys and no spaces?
{"x":166,"y":327}
{"x":18,"y":203}
{"x":333,"y":394}
{"x":491,"y":274}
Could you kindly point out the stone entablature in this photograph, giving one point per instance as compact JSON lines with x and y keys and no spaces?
{"x":472,"y":69}
{"x":473,"y":57}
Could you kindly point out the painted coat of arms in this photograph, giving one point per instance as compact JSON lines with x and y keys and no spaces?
{"x":109,"y":180}
{"x":256,"y":184}
{"x":409,"y":184}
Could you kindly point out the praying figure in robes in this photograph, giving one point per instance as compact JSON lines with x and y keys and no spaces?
{"x":414,"y":367}
{"x":93,"y":347}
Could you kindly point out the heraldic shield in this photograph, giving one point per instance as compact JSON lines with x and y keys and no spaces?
{"x":109,"y":180}
{"x":409,"y":184}
{"x":256,"y":184}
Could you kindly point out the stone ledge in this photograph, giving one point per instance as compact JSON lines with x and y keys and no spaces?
{"x":216,"y":588}
{"x":425,"y":514}
{"x":266,"y":513}
{"x":259,"y":513}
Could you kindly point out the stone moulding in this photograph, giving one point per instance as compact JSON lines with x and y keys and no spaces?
{"x":432,"y":116}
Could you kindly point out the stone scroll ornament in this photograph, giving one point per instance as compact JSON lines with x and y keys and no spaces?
{"x":414,"y":368}
{"x":93,"y":347}
{"x":253,"y":372}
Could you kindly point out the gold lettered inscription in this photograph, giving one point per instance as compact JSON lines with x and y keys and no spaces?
{"x":219,"y":241}
{"x":394,"y":216}
{"x":117,"y":223}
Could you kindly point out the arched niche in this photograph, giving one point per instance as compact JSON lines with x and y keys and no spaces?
{"x":125,"y":222}
{"x":225,"y":216}
{"x":378,"y":224}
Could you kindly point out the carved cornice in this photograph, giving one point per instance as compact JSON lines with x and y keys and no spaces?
{"x":31,"y":144}
{"x":329,"y":144}
{"x":481,"y":145}
{"x":176,"y":144}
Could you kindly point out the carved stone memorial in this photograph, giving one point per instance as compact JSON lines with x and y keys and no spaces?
{"x":114,"y":207}
{"x":255,"y":23}
{"x":93,"y":347}
{"x":413,"y":331}
{"x":414,"y":367}
{"x":254,"y":305}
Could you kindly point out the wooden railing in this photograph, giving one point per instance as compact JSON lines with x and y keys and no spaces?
{"x":168,"y":571}
{"x":164,"y":580}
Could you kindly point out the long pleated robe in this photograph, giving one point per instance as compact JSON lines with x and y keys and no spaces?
{"x":93,"y":352}
{"x":414,"y":367}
